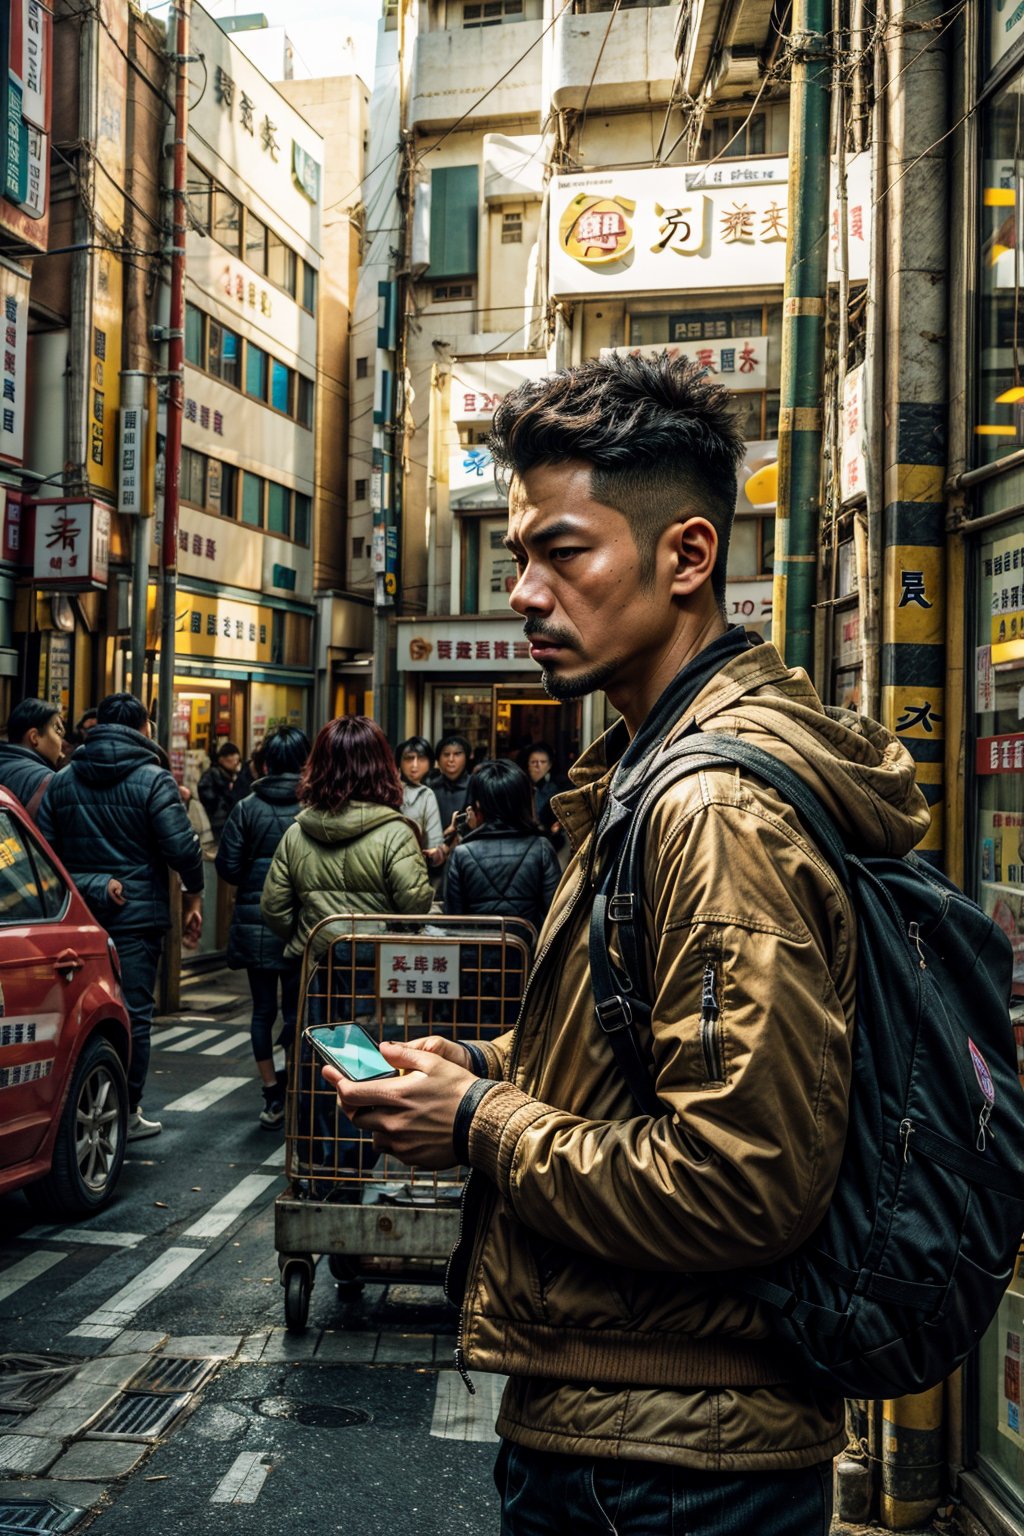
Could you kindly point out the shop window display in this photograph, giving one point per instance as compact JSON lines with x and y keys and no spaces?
{"x":999,"y":876}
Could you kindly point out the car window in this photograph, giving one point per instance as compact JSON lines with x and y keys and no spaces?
{"x":20,"y":898}
{"x":52,"y":889}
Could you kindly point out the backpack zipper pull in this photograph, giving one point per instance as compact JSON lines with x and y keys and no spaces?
{"x":906,"y":1131}
{"x":915,"y":938}
{"x":983,"y":1119}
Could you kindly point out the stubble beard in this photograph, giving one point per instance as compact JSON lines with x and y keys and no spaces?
{"x":562,"y":688}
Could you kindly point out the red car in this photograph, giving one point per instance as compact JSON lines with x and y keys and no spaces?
{"x":65,"y":1036}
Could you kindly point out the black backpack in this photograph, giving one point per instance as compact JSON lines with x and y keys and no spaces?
{"x":907,"y":1269}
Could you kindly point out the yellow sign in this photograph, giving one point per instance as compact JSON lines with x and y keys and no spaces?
{"x":104,"y":387}
{"x":1007,"y":602}
{"x":597,"y":230}
{"x":222,"y":627}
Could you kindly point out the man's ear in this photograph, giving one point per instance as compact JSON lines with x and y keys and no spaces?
{"x":693,"y":546}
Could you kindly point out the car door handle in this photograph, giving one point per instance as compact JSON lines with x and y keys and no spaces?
{"x":67,"y":963}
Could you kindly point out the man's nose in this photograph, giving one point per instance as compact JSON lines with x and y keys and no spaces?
{"x":530,"y":594}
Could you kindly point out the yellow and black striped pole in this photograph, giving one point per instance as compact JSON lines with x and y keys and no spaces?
{"x":913,"y":1464}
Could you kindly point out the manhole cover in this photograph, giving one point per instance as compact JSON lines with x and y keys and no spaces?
{"x":28,"y":1380}
{"x":313,"y":1415}
{"x":138,"y":1416}
{"x":37,"y":1515}
{"x":162,"y":1375}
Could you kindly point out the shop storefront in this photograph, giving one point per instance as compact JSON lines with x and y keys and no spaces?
{"x":474,"y":675}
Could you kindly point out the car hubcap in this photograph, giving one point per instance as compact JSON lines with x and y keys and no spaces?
{"x":98,"y":1132}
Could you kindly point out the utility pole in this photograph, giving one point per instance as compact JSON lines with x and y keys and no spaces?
{"x":803,"y":336}
{"x":175,"y":381}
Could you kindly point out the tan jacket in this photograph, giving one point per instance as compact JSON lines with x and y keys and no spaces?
{"x":594,"y":1267}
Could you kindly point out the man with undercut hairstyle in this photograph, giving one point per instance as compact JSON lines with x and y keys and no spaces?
{"x":644,"y":1394}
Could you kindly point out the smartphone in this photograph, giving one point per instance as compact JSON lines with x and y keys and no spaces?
{"x":462,"y":824}
{"x":349,"y":1048}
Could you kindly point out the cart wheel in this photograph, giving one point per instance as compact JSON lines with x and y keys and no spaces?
{"x":297,"y":1287}
{"x":350,"y":1287}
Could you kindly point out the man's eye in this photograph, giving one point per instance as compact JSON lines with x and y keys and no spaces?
{"x":564,"y":552}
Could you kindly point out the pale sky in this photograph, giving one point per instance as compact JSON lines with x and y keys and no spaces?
{"x":319,"y":29}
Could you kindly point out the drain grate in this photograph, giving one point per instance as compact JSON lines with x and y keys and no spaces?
{"x":141,"y":1416}
{"x":32,"y":1515}
{"x":163,"y":1375}
{"x":28,"y":1380}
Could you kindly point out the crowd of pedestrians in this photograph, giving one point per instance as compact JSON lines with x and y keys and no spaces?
{"x":300,"y":833}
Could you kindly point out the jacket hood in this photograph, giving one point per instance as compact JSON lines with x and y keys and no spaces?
{"x":861,"y":772}
{"x":277,"y":788}
{"x":111,"y":752}
{"x":14,"y":752}
{"x":346,"y":825}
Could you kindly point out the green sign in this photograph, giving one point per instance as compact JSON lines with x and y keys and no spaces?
{"x":15,"y":145}
{"x":306,"y":172}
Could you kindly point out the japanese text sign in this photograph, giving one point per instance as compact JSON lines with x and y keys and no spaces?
{"x":478,"y":385}
{"x":739,"y":362}
{"x":463,"y":645}
{"x":1005,"y":568}
{"x":853,"y":469}
{"x":14,"y":320}
{"x":421,"y":970}
{"x":72,"y":544}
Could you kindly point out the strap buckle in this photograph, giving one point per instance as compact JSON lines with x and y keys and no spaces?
{"x":614,"y":1014}
{"x":620,"y":908}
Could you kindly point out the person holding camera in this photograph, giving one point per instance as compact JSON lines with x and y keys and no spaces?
{"x":501,"y":866}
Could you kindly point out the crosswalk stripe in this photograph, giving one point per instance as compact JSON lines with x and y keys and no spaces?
{"x":243,"y":1482}
{"x":459,"y":1416}
{"x":231,"y":1043}
{"x":163,"y":1037}
{"x":277,"y":1157}
{"x":220,"y":1216}
{"x":25,"y":1271}
{"x":191,"y":1041}
{"x":84,"y":1235}
{"x":202,"y":1098}
{"x":108,"y":1320}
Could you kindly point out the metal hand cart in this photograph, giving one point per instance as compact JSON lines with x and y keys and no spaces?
{"x":402,"y":978}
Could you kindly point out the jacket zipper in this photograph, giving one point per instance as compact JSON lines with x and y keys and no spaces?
{"x":585,"y":875}
{"x":710,"y":1016}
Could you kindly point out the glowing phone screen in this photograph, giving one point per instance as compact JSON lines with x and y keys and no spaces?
{"x":351,"y":1048}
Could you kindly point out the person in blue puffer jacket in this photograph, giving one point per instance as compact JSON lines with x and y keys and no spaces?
{"x":115,"y":819}
{"x":248,"y":843}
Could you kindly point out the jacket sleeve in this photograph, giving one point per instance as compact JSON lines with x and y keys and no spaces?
{"x":405,"y":874}
{"x":46,"y":822}
{"x":174,"y":833}
{"x":280,"y":902}
{"x":433,"y":832}
{"x":551,"y":874}
{"x":740,"y":1167}
{"x":233,"y":858}
{"x":454,"y":894}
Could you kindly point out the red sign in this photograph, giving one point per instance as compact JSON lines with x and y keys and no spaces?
{"x":1000,"y":754}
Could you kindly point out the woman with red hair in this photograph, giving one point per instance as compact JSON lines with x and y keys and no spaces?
{"x":350,"y":849}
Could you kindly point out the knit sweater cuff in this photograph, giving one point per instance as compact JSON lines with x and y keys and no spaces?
{"x":499,"y":1119}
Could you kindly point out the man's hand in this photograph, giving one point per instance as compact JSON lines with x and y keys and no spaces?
{"x":115,"y":893}
{"x":411,"y":1116}
{"x":191,"y":918}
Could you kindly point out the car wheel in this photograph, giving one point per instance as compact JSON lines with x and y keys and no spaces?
{"x":89,"y":1150}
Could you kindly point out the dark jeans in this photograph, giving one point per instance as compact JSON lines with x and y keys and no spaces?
{"x":264,"y":986}
{"x":543,"y":1494}
{"x":139,"y":956}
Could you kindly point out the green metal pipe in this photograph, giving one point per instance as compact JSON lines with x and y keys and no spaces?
{"x":803,"y":335}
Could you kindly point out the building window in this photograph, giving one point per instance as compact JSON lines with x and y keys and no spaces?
{"x":360,"y":490}
{"x":192,"y":482}
{"x":301,"y":518}
{"x":256,"y":361}
{"x":278,"y":509}
{"x":223,"y":353}
{"x":362,"y":367}
{"x":198,"y":191}
{"x":303,"y":400}
{"x":358,"y":546}
{"x":491,"y":13}
{"x":309,"y":287}
{"x":737,"y":136}
{"x":226,"y":225}
{"x":280,"y":386}
{"x":441,"y":293}
{"x":511,"y":229}
{"x":281,"y":263}
{"x":195,"y":347}
{"x":228,"y":491}
{"x":255,"y":243}
{"x":252,"y":499}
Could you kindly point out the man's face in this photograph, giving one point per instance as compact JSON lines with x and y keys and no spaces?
{"x":49,"y":742}
{"x":452,"y":761}
{"x":231,"y":762}
{"x":538,"y":764}
{"x":590,"y":621}
{"x":415,"y":766}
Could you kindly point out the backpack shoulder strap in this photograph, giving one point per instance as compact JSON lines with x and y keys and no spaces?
{"x":622,"y":1012}
{"x":32,"y":808}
